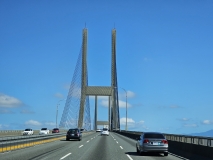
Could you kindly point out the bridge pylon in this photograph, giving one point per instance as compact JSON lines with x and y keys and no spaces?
{"x":81,"y":116}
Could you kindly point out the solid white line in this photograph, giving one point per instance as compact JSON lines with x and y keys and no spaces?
{"x":178,"y":156}
{"x":121,"y":147}
{"x":129,"y":157}
{"x":65,"y":156}
{"x":81,"y":146}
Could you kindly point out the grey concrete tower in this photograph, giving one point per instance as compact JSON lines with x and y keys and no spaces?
{"x":111,"y":91}
{"x":84,"y":79}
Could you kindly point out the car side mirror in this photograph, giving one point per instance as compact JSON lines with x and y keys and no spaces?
{"x":138,"y":138}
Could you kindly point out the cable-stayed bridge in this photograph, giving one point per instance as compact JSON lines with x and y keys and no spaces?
{"x":119,"y":145}
{"x":77,"y":107}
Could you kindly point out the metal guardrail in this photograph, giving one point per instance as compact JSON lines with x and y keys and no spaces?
{"x":198,"y":140}
{"x":18,"y":142}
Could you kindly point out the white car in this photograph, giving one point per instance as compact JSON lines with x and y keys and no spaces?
{"x":98,"y":130}
{"x":44,"y":131}
{"x":105,"y":132}
{"x":27,"y":131}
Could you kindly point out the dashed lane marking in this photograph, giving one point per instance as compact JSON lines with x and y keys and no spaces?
{"x":129,"y":157}
{"x":87,"y":141}
{"x":121,"y":147}
{"x":81,"y":146}
{"x":116,"y":141}
{"x":65,"y":156}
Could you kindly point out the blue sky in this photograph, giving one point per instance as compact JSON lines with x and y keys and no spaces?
{"x":164,"y":61}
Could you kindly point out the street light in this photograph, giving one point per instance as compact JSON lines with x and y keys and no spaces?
{"x":126,"y":108}
{"x":57,"y":112}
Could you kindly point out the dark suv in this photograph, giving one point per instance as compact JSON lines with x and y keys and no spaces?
{"x":74,"y":134}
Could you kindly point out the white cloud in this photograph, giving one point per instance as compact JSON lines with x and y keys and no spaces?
{"x":6,"y":111}
{"x":8,"y":101}
{"x":131,"y":124}
{"x":122,"y":104}
{"x":141,"y":122}
{"x":59,"y":95}
{"x":190,"y":125}
{"x":125,"y":93}
{"x":50,"y":123}
{"x":130,"y":94}
{"x":33,"y":123}
{"x":184,"y":119}
{"x":27,"y":112}
{"x":174,"y":106}
{"x":105,"y":103}
{"x":67,"y":86}
{"x":207,"y":122}
{"x":4,"y":126}
{"x":130,"y":121}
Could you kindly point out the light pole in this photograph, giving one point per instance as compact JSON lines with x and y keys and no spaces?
{"x":57,"y":112}
{"x":126,"y":108}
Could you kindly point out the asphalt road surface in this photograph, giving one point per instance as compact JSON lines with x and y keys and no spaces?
{"x":92,"y":147}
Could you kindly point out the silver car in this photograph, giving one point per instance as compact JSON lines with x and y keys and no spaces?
{"x":152,"y":142}
{"x":105,"y":132}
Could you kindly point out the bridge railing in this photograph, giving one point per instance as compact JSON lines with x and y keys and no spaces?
{"x":198,"y":140}
{"x":205,"y":141}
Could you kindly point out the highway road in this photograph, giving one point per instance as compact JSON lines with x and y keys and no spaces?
{"x":92,"y":147}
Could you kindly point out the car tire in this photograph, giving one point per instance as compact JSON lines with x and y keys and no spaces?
{"x":79,"y":139}
{"x":67,"y":139}
{"x":137,"y":149}
{"x":141,"y":152}
{"x":165,"y":154}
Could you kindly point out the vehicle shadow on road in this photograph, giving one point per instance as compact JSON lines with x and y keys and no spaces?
{"x":144,"y":154}
{"x":69,"y":140}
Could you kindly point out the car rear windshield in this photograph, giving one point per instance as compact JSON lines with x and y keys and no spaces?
{"x":44,"y":129}
{"x":105,"y":129}
{"x":73,"y":130}
{"x":153,"y":135}
{"x":27,"y":129}
{"x":55,"y":129}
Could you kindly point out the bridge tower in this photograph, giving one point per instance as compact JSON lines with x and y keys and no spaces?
{"x":78,"y":115}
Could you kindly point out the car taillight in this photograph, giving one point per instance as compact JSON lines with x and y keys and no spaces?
{"x":164,"y":141}
{"x":145,"y":141}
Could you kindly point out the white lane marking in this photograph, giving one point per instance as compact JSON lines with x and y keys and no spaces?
{"x":129,"y":157}
{"x":116,"y":141}
{"x":178,"y":156}
{"x":65,"y":156}
{"x":87,"y":141}
{"x":121,"y":147}
{"x":81,"y":146}
{"x":91,"y":138}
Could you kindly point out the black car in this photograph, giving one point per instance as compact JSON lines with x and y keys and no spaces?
{"x":74,"y":134}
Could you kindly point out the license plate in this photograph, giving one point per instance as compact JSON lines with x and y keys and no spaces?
{"x":155,"y":143}
{"x":72,"y":134}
